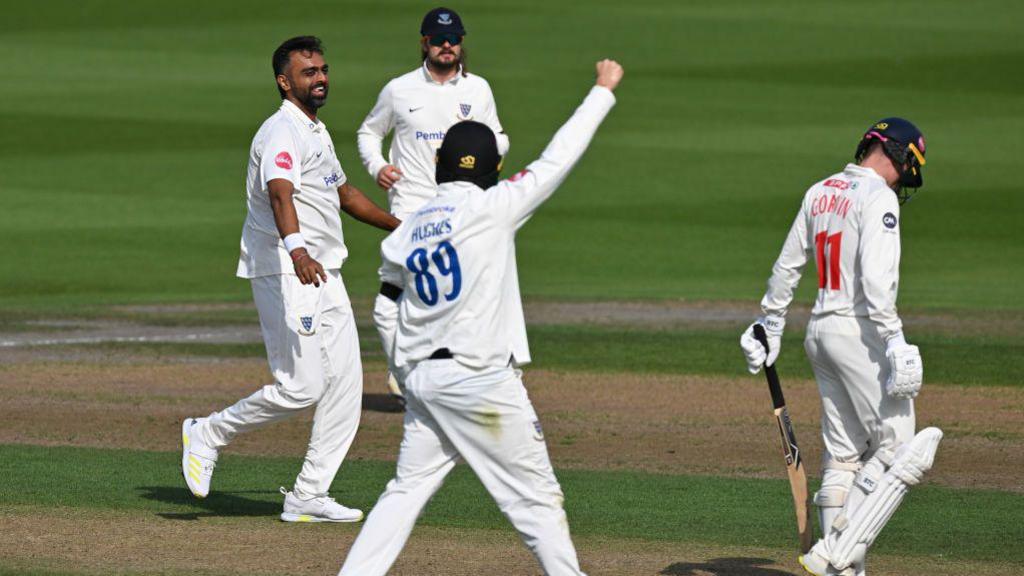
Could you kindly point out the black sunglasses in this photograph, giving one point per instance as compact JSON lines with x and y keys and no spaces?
{"x":440,"y":39}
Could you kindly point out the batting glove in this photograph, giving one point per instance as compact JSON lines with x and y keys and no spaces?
{"x":754,"y":352}
{"x":906,"y":372}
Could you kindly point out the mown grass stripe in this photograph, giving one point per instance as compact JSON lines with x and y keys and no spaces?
{"x":959,"y":524}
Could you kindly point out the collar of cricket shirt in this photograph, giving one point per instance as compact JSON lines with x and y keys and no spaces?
{"x":300,"y":116}
{"x":862,"y":171}
{"x":455,"y":187}
{"x":430,"y":79}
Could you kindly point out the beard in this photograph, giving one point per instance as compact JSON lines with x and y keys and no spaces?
{"x":439,"y":64}
{"x":314,"y":102}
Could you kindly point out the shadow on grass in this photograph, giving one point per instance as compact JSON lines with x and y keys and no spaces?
{"x":382,"y":403}
{"x":726,"y":567}
{"x":217,"y":504}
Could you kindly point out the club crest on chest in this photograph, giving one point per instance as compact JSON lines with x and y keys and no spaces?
{"x":464,"y":110}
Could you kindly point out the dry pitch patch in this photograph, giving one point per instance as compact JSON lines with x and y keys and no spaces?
{"x":66,"y":539}
{"x":660,"y":423}
{"x":236,"y":322}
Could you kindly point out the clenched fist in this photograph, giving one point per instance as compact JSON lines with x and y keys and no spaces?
{"x":609,"y":74}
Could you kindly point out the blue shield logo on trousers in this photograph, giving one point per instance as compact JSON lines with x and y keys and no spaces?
{"x":307,"y":322}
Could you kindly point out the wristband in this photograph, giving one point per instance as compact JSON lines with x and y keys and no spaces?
{"x":294,"y":241}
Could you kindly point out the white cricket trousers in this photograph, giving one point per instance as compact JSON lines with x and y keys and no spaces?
{"x":485,"y":417}
{"x":850,"y":365}
{"x":322,"y":369}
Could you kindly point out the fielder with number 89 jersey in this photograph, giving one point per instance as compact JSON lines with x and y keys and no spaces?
{"x":451,"y":321}
{"x":455,"y":256}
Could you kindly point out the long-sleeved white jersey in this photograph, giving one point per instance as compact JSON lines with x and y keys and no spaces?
{"x":849,"y":224}
{"x":420,"y":111}
{"x":455,"y":259}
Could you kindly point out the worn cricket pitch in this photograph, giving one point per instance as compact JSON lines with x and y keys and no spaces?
{"x":675,"y":424}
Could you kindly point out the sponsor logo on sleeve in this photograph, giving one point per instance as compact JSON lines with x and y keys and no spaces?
{"x":889,"y":220}
{"x":517,"y":176}
{"x":283,"y":160}
{"x":538,"y":432}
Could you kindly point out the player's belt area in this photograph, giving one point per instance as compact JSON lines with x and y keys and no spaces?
{"x":441,"y":354}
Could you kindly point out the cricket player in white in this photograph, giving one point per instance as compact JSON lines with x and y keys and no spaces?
{"x":867,"y":374}
{"x":292,"y":250}
{"x":451,"y":320}
{"x":419,"y":107}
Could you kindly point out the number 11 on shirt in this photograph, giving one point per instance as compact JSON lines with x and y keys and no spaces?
{"x":822,"y":241}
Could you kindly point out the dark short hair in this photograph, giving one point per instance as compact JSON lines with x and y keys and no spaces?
{"x":283,"y":53}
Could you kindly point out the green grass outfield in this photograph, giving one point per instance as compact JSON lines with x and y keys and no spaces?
{"x":956,"y":524}
{"x":126,"y":127}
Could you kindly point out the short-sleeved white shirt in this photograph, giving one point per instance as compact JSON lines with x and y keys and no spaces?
{"x":420,"y":111}
{"x":292,"y":147}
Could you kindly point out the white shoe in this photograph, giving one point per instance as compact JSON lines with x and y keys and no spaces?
{"x":322,"y":509}
{"x":395,"y":389}
{"x":197,"y":459}
{"x":814,"y":562}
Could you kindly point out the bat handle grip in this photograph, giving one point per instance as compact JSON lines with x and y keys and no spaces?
{"x":761,"y":336}
{"x":774,"y":386}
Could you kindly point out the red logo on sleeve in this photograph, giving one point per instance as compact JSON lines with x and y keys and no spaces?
{"x":283,"y":160}
{"x":518,"y":176}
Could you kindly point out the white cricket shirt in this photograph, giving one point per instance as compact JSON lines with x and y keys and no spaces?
{"x":420,"y":111}
{"x":849,"y":225}
{"x":455,"y":257}
{"x":291,"y":146}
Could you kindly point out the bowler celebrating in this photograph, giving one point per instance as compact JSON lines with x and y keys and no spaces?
{"x":451,"y":321}
{"x":292,"y":252}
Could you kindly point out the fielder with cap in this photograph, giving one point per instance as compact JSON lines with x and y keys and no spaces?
{"x":451,"y":319}
{"x":419,"y":107}
{"x":868,"y":375}
{"x":292,"y":250}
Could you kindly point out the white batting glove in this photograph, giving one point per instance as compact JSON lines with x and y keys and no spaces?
{"x":754,"y":352}
{"x":906,"y":372}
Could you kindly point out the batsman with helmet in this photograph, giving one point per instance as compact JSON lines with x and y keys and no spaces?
{"x":867,"y":374}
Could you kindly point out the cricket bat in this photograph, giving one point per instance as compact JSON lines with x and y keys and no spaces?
{"x":790,"y":450}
